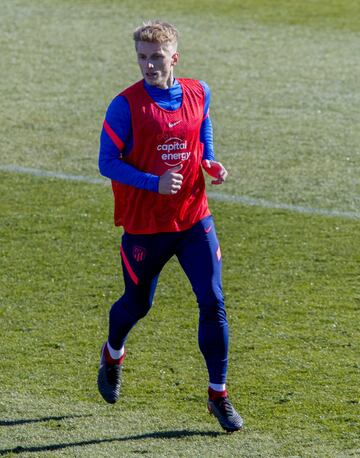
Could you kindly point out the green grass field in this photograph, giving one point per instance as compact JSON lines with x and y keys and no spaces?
{"x":285,"y":103}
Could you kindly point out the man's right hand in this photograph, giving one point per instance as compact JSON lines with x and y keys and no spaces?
{"x":170,"y":182}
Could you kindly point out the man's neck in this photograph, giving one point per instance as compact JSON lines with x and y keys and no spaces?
{"x":173,"y":83}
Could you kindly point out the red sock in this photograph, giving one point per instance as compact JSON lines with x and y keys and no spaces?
{"x":213,"y":395}
{"x":111,"y":360}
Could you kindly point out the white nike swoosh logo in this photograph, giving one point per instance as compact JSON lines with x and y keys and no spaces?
{"x":172,"y":124}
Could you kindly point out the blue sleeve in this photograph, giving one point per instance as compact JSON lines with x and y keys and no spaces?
{"x":206,"y":138}
{"x":206,"y":131}
{"x":115,"y":142}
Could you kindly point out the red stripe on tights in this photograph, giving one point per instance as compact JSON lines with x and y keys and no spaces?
{"x":132,"y":274}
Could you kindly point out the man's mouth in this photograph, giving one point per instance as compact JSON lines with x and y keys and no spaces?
{"x":151,"y":75}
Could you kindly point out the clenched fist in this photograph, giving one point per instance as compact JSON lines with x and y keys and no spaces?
{"x":170,"y":182}
{"x":215,"y":170}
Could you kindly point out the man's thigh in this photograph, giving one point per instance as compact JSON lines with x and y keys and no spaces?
{"x":200,"y":256}
{"x":144,"y":256}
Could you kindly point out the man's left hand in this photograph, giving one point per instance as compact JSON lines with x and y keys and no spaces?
{"x":215,"y":170}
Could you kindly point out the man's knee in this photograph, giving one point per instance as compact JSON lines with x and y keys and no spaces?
{"x":213,"y":312}
{"x":139,"y":304}
{"x":134,"y":307}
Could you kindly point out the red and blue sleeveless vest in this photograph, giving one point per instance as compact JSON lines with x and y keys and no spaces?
{"x":163,"y":139}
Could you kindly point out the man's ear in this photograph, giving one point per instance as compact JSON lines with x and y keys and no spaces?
{"x":175,"y":58}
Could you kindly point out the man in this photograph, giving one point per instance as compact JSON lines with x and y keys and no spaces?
{"x":156,"y":139}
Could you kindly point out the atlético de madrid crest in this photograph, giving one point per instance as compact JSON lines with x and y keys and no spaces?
{"x":139,"y":253}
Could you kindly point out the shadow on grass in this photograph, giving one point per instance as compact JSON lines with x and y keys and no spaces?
{"x":156,"y":435}
{"x":24,"y":421}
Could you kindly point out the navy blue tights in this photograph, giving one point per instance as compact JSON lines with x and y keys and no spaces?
{"x":198,"y":251}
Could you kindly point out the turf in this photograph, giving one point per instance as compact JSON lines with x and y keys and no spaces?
{"x":283,"y":77}
{"x":291,"y":295}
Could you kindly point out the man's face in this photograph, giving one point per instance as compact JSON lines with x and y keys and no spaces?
{"x":156,"y":61}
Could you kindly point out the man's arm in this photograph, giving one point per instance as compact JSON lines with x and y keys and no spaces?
{"x":213,"y":168}
{"x":116,"y":141}
{"x":206,"y":131}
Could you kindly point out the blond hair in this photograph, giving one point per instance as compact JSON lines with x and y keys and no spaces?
{"x":156,"y":32}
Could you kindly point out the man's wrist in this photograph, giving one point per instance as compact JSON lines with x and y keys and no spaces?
{"x":152,"y":183}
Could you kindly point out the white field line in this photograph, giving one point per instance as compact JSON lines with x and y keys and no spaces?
{"x":222,"y":197}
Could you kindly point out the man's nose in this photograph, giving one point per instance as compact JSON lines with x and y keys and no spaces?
{"x":150,"y":64}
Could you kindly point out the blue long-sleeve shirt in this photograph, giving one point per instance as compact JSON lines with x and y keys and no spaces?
{"x":118,"y":118}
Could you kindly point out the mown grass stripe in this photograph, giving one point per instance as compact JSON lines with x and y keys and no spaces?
{"x":50,"y":174}
{"x":282,"y":206}
{"x":219,"y":196}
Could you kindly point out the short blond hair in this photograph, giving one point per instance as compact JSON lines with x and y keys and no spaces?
{"x":156,"y":32}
